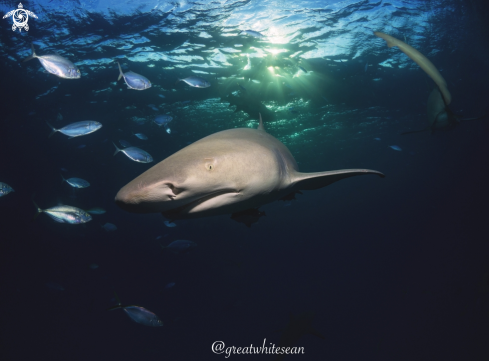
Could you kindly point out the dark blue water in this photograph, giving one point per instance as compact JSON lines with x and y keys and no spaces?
{"x":393,"y":269}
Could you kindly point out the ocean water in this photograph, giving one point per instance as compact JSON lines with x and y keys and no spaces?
{"x":393,"y":269}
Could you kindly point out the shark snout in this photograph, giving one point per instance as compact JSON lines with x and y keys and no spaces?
{"x":126,"y":200}
{"x":157,"y":197}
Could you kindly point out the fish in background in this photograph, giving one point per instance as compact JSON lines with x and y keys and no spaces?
{"x":124,"y":143}
{"x":141,"y":136}
{"x":252,"y":33}
{"x":138,"y":314}
{"x":180,"y":246}
{"x":56,"y":64}
{"x":196,"y":82}
{"x":170,"y":224}
{"x":395,"y":147}
{"x":77,"y":129}
{"x":163,"y":120}
{"x":96,"y":210}
{"x":93,"y":266}
{"x":65,"y":214}
{"x":5,"y":189}
{"x":53,"y":286}
{"x":109,"y":227}
{"x":133,"y":80}
{"x":135,"y":154}
{"x":76,"y":182}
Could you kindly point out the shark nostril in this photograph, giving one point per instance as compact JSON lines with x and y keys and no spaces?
{"x":174,"y":189}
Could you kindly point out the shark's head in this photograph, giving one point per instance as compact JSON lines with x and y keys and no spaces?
{"x":194,"y":180}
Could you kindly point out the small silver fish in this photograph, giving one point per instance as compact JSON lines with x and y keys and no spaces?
{"x":196,"y":82}
{"x":141,"y":136}
{"x":109,"y":227}
{"x":163,"y":119}
{"x":133,"y":80}
{"x":54,"y":286}
{"x":395,"y":147}
{"x":65,"y":214}
{"x":76,"y":182}
{"x":56,"y":64}
{"x":96,"y":210}
{"x":180,"y":246}
{"x":5,"y":189}
{"x":77,"y":129}
{"x":167,"y":128}
{"x":140,"y":315}
{"x":252,"y":33}
{"x":124,"y":143}
{"x":135,"y":154}
{"x":170,"y":224}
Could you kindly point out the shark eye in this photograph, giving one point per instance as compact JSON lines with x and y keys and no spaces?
{"x":209,"y":163}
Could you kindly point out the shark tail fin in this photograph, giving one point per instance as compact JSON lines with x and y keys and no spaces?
{"x":54,"y":130}
{"x":260,"y":126}
{"x":312,"y":181}
{"x":33,"y":54}
{"x":121,"y":74}
{"x":117,"y":150}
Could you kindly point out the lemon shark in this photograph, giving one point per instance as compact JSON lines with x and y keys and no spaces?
{"x":423,"y":62}
{"x":439,"y":114}
{"x":224,"y":173}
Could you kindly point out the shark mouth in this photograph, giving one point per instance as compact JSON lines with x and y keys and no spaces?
{"x":186,"y":208}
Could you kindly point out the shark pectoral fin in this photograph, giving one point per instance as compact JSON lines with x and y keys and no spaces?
{"x":312,"y":181}
{"x":315,"y":333}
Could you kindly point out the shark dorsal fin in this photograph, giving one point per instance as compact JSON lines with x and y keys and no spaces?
{"x":260,"y":126}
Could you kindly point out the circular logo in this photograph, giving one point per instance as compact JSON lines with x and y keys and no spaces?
{"x":20,"y":18}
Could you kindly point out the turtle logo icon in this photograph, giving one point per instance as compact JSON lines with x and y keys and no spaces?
{"x":20,"y":18}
